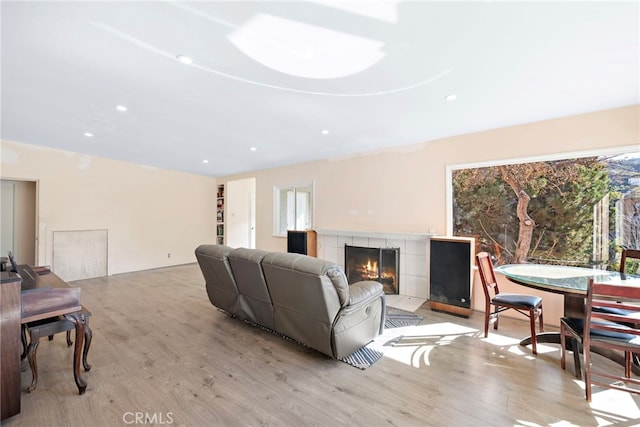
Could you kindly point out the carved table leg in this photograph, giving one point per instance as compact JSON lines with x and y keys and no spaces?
{"x":23,"y":338}
{"x":88,"y":336}
{"x":34,"y":338}
{"x":79,"y":321}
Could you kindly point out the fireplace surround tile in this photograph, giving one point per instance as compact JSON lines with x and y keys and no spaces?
{"x":344,"y":240}
{"x":396,"y":243}
{"x":377,"y":243}
{"x":413,"y":254}
{"x":361,"y":241}
{"x":417,"y":247}
{"x":331,"y":252}
{"x":415,"y":265}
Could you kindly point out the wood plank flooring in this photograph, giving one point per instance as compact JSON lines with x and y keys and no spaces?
{"x":161,"y":352}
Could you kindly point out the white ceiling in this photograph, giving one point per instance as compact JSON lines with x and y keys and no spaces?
{"x":273,"y":75}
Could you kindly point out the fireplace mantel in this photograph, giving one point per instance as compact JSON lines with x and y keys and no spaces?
{"x":375,"y":234}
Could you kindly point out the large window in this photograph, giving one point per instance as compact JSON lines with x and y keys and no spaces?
{"x":577,"y":211}
{"x":293,"y":208}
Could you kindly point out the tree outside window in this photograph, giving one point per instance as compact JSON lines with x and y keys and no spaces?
{"x":570,"y":212}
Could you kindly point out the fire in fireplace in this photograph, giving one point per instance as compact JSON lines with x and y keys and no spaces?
{"x":379,"y":264}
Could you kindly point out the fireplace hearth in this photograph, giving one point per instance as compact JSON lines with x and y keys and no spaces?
{"x":379,"y":264}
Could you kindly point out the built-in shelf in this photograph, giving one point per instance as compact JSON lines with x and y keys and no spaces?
{"x":220,"y":215}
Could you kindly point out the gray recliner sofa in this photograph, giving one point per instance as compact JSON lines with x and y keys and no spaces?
{"x":304,"y":298}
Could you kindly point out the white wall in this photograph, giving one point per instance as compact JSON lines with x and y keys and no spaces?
{"x":151,"y":212}
{"x":148,"y":212}
{"x":404,"y":189}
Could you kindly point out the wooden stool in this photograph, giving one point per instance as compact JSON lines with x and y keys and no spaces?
{"x":49,"y":327}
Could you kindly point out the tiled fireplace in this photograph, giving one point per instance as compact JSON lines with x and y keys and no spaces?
{"x":411,"y":256}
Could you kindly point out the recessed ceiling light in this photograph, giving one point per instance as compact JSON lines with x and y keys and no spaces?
{"x":325,"y":132}
{"x":253,"y":149}
{"x":184,"y":59}
{"x":121,"y":108}
{"x":205,"y":161}
{"x":88,"y":134}
{"x":451,"y":97}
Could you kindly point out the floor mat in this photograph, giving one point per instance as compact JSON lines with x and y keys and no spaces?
{"x":395,"y":318}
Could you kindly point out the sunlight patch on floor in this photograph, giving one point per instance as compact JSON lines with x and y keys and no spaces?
{"x":500,"y":340}
{"x":514,"y":345}
{"x":613,"y":406}
{"x":562,"y":423}
{"x":411,"y":345}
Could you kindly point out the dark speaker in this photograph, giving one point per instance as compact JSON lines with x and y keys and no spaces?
{"x":451,"y":274}
{"x":302,"y":242}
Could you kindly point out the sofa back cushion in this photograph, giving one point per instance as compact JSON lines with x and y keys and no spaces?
{"x":255,"y":301}
{"x":307,"y":293}
{"x":220,"y":284}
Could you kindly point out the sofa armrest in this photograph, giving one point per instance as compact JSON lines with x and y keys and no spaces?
{"x":361,"y":320}
{"x":366,"y":290}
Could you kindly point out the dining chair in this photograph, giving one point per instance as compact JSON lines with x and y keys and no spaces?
{"x":606,"y":329}
{"x":48,"y":328}
{"x":496,"y":302}
{"x":633,"y":254}
{"x":628,"y":254}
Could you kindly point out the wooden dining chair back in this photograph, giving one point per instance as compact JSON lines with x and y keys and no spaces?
{"x":628,"y":254}
{"x":496,"y":302}
{"x":613,"y":329}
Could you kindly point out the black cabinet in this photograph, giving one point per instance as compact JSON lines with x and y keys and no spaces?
{"x":451,"y":263}
{"x":302,"y":242}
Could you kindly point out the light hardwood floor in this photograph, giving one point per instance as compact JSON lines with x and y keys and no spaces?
{"x":161,"y":350}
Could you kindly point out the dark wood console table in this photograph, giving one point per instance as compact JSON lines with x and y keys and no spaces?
{"x":33,"y":293}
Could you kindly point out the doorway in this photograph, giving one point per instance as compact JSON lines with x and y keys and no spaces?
{"x":18,"y":213}
{"x":241,"y":213}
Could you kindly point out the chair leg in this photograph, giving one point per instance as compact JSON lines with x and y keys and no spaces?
{"x":69,"y":342}
{"x":534,"y":339}
{"x":540,"y":319}
{"x":587,"y":375}
{"x":496,"y":316}
{"x":577,"y":364}
{"x":487,"y":314}
{"x":563,"y":348}
{"x":627,"y":364}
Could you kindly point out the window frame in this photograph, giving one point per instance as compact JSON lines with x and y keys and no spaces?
{"x":277,"y":191}
{"x":612,"y":151}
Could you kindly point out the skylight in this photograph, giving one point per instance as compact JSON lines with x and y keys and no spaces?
{"x":305,"y":50}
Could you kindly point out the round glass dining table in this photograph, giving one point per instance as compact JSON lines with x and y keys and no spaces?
{"x":570,"y":281}
{"x":563,"y":279}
